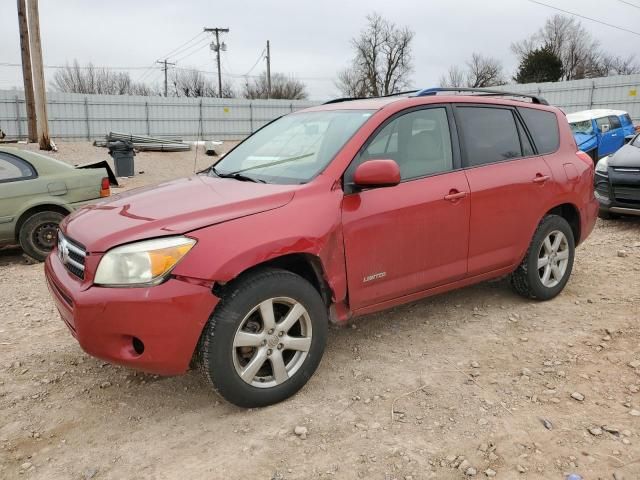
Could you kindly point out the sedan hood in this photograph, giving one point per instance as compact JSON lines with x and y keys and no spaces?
{"x":171,"y":208}
{"x":627,"y":156}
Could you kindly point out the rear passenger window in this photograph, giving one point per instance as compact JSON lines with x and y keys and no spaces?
{"x":488,"y":134}
{"x":527,"y":149}
{"x":615,"y":122}
{"x":543,"y":127}
{"x":13,"y":168}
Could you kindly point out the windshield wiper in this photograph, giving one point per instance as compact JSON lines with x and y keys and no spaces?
{"x":237,"y":176}
{"x":265,"y":165}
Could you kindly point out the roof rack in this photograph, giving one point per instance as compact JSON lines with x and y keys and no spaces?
{"x":348,"y":99}
{"x":482,"y":91}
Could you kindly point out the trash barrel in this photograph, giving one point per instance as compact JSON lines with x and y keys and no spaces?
{"x":122,"y":153}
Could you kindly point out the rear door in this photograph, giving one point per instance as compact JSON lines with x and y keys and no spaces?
{"x":413,"y":236}
{"x":508,"y":183}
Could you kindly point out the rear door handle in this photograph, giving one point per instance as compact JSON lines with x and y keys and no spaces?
{"x":541,"y":178}
{"x":455,"y":195}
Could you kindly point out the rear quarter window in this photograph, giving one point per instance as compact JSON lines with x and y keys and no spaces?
{"x":543,"y":127}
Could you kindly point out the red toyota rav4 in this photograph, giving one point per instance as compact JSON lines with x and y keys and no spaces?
{"x":323,"y":215}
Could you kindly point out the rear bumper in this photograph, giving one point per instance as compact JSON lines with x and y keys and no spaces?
{"x":113,"y":323}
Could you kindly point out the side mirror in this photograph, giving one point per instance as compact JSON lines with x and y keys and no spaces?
{"x":605,"y":128}
{"x":377,"y":173}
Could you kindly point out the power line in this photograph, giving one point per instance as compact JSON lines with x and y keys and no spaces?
{"x":178,"y":50}
{"x":585,"y":18}
{"x":260,"y":57}
{"x":199,"y":47}
{"x":629,"y":3}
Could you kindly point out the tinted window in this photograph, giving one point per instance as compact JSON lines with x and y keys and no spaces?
{"x":13,"y":168}
{"x":527,"y":149}
{"x":626,"y":119}
{"x":543,"y":127}
{"x":488,"y":134}
{"x":615,"y":122}
{"x":418,"y":141}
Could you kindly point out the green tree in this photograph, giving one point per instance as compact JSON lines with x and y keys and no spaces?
{"x":539,"y":65}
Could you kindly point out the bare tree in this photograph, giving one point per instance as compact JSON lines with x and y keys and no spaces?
{"x":480,"y":72}
{"x":382,"y":62}
{"x":455,"y":77}
{"x":570,"y":41}
{"x":484,"y":71}
{"x":90,"y":79}
{"x":282,"y":87}
{"x":193,"y":83}
{"x":615,"y":65}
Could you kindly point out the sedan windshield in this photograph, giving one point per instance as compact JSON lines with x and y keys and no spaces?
{"x":293,"y":149}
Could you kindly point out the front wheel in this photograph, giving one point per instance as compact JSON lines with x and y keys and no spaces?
{"x":547,"y":266}
{"x":265,"y":338}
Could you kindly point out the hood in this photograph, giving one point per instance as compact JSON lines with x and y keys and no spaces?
{"x":171,"y":208}
{"x":627,"y":156}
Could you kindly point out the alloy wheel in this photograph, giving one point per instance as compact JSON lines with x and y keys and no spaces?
{"x":553,"y":258}
{"x":272,"y":342}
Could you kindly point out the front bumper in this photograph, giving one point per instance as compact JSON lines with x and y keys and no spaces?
{"x":153,"y":329}
{"x":618,"y":192}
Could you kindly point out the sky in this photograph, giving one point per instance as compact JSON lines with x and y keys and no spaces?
{"x":309,"y":40}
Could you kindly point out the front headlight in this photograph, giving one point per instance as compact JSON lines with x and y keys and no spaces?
{"x":142,"y":263}
{"x":602,"y":166}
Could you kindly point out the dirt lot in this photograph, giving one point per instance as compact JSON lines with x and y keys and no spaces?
{"x":482,"y":382}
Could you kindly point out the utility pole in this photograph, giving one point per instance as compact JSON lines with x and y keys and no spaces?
{"x":27,"y":74}
{"x":268,"y":57}
{"x":165,"y":68}
{"x":38,"y":75}
{"x":216,"y":47}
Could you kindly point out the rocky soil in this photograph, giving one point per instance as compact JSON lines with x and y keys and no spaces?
{"x":475,"y":383}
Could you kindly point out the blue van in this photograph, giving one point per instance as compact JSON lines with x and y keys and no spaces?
{"x":601,"y":132}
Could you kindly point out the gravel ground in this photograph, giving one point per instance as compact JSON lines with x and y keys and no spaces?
{"x":477,"y":382}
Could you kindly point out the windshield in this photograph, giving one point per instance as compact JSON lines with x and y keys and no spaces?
{"x":636,"y":141}
{"x":294,"y":148}
{"x":585,"y":127}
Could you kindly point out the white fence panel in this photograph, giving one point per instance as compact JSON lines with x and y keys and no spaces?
{"x":77,"y":116}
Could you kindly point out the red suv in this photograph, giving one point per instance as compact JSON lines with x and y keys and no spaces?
{"x":325,"y":214}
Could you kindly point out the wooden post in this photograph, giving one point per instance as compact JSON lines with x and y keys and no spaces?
{"x":27,"y":74}
{"x":38,"y":75}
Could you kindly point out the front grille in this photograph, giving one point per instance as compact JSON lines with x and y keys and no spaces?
{"x":72,"y":255}
{"x":627,"y":193}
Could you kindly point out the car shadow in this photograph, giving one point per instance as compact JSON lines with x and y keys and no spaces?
{"x":13,"y":255}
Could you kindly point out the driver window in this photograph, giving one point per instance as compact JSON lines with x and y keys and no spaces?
{"x":418,"y":141}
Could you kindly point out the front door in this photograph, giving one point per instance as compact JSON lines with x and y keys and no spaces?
{"x":413,"y":236}
{"x":611,"y":135}
{"x":17,"y":179}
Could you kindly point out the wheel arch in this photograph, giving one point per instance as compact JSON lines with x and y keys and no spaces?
{"x":44,"y":207}
{"x":306,"y":265}
{"x":571,"y":214}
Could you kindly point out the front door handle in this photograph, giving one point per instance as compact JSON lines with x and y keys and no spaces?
{"x":541,"y":178}
{"x":455,"y":195}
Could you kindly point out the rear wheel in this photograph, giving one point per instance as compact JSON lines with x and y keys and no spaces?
{"x":265,"y":338}
{"x":547,"y":266}
{"x":38,"y":234}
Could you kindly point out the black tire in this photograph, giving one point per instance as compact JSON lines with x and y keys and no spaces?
{"x":38,"y":234}
{"x":607,"y":215}
{"x":526,"y":280}
{"x":217,"y":356}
